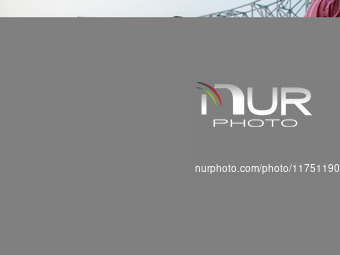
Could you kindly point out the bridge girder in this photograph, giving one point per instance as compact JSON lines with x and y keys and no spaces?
{"x":265,"y":8}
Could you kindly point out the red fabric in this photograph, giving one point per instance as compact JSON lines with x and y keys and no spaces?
{"x":324,"y":8}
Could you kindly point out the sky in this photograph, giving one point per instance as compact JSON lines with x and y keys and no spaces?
{"x":114,"y":8}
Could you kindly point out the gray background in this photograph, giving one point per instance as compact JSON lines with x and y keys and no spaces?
{"x":98,"y":137}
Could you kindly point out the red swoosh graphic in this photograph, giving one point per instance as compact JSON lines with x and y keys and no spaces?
{"x":213,"y":90}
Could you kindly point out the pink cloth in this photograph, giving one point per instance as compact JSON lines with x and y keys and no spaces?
{"x":324,"y":8}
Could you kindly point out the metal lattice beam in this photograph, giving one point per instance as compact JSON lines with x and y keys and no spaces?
{"x":265,"y":8}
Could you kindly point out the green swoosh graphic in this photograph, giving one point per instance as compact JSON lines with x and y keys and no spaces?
{"x":208,"y":92}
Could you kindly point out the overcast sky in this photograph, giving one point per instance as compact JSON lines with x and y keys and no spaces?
{"x":114,"y":8}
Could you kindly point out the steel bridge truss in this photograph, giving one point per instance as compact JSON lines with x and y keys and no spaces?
{"x":265,"y":8}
